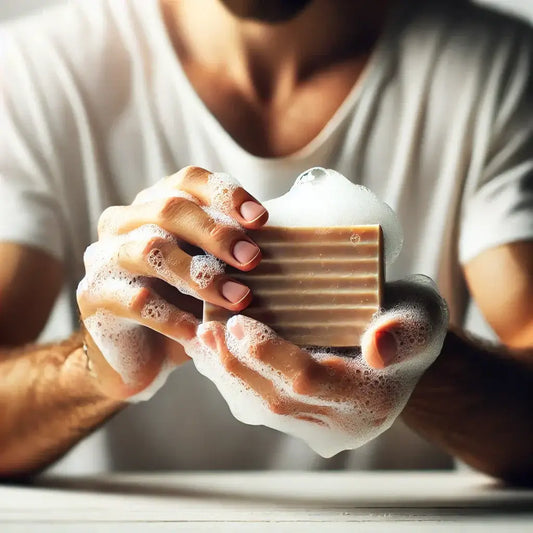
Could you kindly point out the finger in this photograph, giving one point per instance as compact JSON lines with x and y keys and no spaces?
{"x":212,"y":335}
{"x":142,"y":306}
{"x":414,"y":327}
{"x":199,"y":276}
{"x":221,"y":192}
{"x":397,"y":337}
{"x":330,"y":379}
{"x":186,"y":221}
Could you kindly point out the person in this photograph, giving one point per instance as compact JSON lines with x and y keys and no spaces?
{"x":427,"y":104}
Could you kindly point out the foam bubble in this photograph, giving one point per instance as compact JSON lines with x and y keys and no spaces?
{"x":157,"y":261}
{"x":371,"y":398}
{"x":122,"y":342}
{"x":204,"y":268}
{"x":222,"y":187}
{"x":324,"y":197}
{"x":158,"y":311}
{"x":221,"y":218}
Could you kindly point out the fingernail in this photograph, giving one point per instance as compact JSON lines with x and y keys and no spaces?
{"x":236,"y":327}
{"x":234,"y":292}
{"x":245,"y":252}
{"x":386,"y":346}
{"x":251,"y":211}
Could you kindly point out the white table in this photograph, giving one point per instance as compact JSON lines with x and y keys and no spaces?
{"x":270,"y":501}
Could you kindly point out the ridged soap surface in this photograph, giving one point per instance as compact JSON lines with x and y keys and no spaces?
{"x":314,"y":286}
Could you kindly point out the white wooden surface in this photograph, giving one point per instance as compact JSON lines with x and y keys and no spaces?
{"x":253,"y":502}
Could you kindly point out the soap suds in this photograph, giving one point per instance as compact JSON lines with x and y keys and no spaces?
{"x":324,"y":198}
{"x":204,"y":269}
{"x":371,"y":399}
{"x":222,"y":187}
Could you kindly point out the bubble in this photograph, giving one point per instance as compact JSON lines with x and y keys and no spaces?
{"x":222,"y":187}
{"x":355,"y":238}
{"x":122,"y":342}
{"x":204,"y":268}
{"x":158,"y":311}
{"x":221,"y":218}
{"x":371,"y":399}
{"x":157,"y":261}
{"x":324,"y":198}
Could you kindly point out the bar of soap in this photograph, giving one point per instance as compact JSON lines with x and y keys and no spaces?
{"x":323,"y":269}
{"x":314,"y":287}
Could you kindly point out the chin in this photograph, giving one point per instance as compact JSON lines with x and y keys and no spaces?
{"x":267,"y":11}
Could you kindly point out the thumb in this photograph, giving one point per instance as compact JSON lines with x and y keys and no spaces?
{"x":413,"y":329}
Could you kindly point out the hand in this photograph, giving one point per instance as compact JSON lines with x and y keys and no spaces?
{"x":138,"y":326}
{"x":333,"y":399}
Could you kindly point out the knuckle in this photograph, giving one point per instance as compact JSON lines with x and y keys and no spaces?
{"x":301,"y":384}
{"x":230,"y":363}
{"x":222,"y":233}
{"x":173,"y":207}
{"x":306,"y":380}
{"x":139,"y":300}
{"x":187,"y":174}
{"x":260,"y":354}
{"x":108,"y":221}
{"x":153,"y":249}
{"x":145,"y":195}
{"x":279,"y":406}
{"x":91,"y":254}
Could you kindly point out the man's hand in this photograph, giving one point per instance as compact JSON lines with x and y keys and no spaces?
{"x":138,"y":324}
{"x":333,"y":399}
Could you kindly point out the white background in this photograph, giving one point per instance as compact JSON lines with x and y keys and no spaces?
{"x":13,"y":8}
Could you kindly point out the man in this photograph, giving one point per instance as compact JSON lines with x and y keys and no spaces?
{"x":430,"y":107}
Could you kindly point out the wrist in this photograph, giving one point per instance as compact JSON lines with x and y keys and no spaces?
{"x":96,"y":372}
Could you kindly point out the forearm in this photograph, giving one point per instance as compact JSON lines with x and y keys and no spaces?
{"x":48,"y":402}
{"x":476,"y":402}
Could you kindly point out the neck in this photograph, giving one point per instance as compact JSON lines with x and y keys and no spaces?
{"x":266,"y":61}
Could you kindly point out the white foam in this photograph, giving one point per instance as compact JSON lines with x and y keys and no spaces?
{"x":222,"y":187}
{"x":204,"y":269}
{"x":221,"y":218}
{"x":122,"y":342}
{"x":323,"y":197}
{"x":159,"y":263}
{"x":373,"y":398}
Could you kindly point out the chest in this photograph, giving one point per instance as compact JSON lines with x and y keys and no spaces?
{"x":268,"y":127}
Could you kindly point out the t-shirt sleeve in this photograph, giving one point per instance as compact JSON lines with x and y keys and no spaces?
{"x":498,"y":197}
{"x":30,"y":170}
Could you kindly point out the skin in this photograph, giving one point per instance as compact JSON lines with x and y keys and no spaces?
{"x":269,"y":90}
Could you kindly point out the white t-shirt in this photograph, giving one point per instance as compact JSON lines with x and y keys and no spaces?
{"x":95,"y":107}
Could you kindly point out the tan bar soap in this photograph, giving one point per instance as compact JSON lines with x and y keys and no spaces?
{"x":314,"y":286}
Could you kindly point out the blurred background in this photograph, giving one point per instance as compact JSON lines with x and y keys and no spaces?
{"x":474,"y":321}
{"x":13,"y":8}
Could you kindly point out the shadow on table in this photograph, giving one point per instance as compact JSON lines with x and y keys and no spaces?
{"x":400,"y":506}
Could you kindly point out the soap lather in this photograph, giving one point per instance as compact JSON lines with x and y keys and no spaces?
{"x":324,"y":249}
